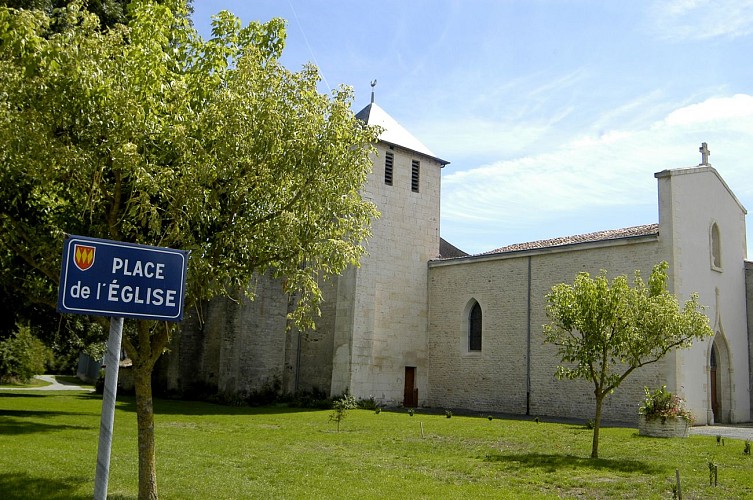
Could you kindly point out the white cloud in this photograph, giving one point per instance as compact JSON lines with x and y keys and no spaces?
{"x":596,"y":176}
{"x":721,"y":110}
{"x":701,"y":19}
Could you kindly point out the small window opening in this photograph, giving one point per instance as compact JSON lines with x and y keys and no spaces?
{"x":716,"y":247}
{"x":474,"y":328}
{"x":389,"y":160}
{"x":415,"y":172}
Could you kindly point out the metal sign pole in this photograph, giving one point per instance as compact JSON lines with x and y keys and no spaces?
{"x":112,"y":362}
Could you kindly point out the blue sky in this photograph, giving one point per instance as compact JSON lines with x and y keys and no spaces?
{"x":554,"y":114}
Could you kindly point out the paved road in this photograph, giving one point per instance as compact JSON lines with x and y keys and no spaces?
{"x":737,"y":431}
{"x":55,"y":385}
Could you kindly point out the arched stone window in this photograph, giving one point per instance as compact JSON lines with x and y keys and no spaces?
{"x":716,"y":248}
{"x":474,"y":328}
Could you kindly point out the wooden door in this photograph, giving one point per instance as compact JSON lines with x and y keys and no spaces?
{"x":714,"y":396}
{"x":410,"y":394}
{"x":714,"y":383}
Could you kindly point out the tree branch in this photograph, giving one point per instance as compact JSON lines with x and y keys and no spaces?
{"x":159,"y":341}
{"x":112,"y":217}
{"x":19,"y":250}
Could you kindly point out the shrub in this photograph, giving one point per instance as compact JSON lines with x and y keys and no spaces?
{"x":663,"y":404}
{"x":340,"y":408}
{"x":270,"y":392}
{"x":22,"y":356}
{"x":99,"y":385}
{"x":315,"y":398}
{"x":368,"y":403}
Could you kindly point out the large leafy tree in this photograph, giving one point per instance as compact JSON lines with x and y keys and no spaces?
{"x":66,"y":336}
{"x":146,"y":133}
{"x":605,"y":331}
{"x":109,"y":12}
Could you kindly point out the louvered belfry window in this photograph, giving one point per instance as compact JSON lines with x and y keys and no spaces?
{"x":414,"y":178}
{"x":389,"y":160}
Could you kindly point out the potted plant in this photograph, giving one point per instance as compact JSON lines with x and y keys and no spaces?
{"x":663,"y":414}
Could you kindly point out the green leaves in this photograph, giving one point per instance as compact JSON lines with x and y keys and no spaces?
{"x":605,"y":330}
{"x":147,"y":133}
{"x":614,"y":329}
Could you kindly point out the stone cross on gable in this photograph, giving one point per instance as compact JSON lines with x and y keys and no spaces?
{"x":705,"y":153}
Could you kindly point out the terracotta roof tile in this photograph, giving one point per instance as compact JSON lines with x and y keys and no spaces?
{"x":613,"y":234}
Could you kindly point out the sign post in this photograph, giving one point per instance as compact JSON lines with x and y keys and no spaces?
{"x":119,"y":280}
{"x":112,"y":360}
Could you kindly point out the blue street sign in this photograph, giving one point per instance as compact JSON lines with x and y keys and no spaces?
{"x":112,"y":278}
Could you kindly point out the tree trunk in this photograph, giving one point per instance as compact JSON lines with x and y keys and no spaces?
{"x":145,"y":418}
{"x":144,"y":349}
{"x":597,"y":426}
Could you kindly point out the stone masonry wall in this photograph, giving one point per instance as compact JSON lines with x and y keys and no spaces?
{"x":495,"y":379}
{"x":692,"y":202}
{"x":310,"y":354}
{"x":239,"y":348}
{"x":390,"y":287}
{"x":749,"y":301}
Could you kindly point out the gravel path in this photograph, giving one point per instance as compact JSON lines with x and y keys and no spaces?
{"x":737,"y":431}
{"x":55,"y":385}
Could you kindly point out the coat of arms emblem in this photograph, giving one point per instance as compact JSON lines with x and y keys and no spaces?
{"x":83,"y":256}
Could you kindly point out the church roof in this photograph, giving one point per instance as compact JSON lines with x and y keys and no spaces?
{"x":612,"y":234}
{"x":394,"y":133}
{"x":447,"y":250}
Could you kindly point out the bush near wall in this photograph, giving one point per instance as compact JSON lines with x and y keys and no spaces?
{"x":22,"y":356}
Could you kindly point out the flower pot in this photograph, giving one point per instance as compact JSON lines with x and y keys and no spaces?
{"x":663,"y":426}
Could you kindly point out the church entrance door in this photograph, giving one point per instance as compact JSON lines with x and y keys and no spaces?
{"x":714,"y":396}
{"x":721,"y":375}
{"x":714,"y":385}
{"x":410,"y":394}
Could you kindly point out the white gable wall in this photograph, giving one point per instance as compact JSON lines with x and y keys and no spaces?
{"x":690,"y":201}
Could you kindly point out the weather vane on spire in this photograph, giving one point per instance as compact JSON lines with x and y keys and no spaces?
{"x":705,"y":153}
{"x":373,"y":84}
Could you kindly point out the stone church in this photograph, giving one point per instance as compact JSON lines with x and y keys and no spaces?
{"x":421,"y":323}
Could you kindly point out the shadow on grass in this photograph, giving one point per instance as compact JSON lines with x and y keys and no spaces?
{"x":554,"y":463}
{"x":127,"y":403}
{"x":187,"y":407}
{"x":24,"y":487}
{"x":12,"y":427}
{"x":72,"y":380}
{"x":20,"y":395}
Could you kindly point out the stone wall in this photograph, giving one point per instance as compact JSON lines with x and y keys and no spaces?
{"x":511,"y":289}
{"x":238,"y":348}
{"x":691,"y":202}
{"x":749,"y":301}
{"x":383,"y":329}
{"x":310,"y":354}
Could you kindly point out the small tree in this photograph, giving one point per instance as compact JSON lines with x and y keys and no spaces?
{"x":340,"y":408}
{"x":606,"y":331}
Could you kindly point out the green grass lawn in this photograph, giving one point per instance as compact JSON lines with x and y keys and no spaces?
{"x":35,"y":382}
{"x":48,"y":446}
